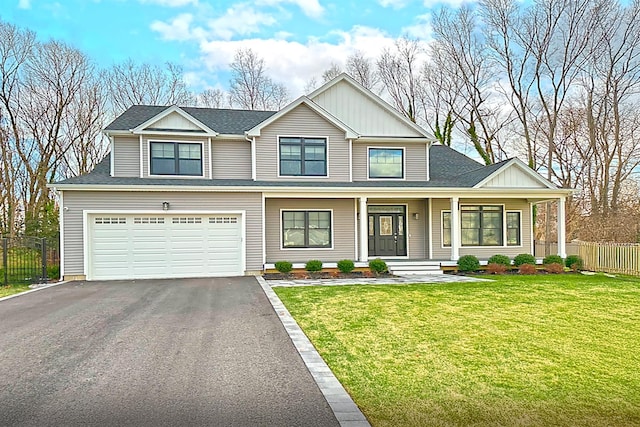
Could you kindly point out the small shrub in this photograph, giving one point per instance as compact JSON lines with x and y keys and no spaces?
{"x":496,"y":268}
{"x":553,"y":259}
{"x":53,"y":272}
{"x":521,"y":259}
{"x":574,"y":262}
{"x":313,"y":265}
{"x":284,"y":266}
{"x":345,"y":266}
{"x":527,"y":269}
{"x":554,"y":268}
{"x":378,"y":266}
{"x":468,"y":263}
{"x":500,"y":259}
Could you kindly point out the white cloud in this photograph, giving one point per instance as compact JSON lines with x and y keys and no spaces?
{"x":311,"y":8}
{"x":177,"y":29}
{"x":24,"y":4}
{"x":171,"y":3}
{"x":452,"y":3}
{"x":421,"y":30}
{"x":396,"y":4}
{"x":240,"y":19}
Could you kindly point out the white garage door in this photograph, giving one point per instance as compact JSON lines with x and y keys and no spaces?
{"x":158,"y":246}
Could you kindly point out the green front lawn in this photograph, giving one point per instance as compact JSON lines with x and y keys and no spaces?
{"x":523,"y":350}
{"x":5,"y":291}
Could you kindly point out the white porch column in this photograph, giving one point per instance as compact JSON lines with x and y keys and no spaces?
{"x":562,"y":250}
{"x":364,"y":230}
{"x":455,"y":229}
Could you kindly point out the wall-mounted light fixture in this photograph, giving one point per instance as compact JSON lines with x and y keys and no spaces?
{"x":416,"y":215}
{"x":165,"y":206}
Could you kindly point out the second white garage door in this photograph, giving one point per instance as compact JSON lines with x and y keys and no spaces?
{"x":158,"y":246}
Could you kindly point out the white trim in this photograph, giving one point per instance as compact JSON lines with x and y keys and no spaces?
{"x":562,"y":251}
{"x":355,"y":228}
{"x":112,"y":156}
{"x":183,"y":141}
{"x":407,"y":235}
{"x":504,"y":227}
{"x":62,"y":239}
{"x":456,"y":228}
{"x":376,"y":99}
{"x":264,"y":230}
{"x":173,"y":109}
{"x":350,"y":141}
{"x":404,"y":163}
{"x":141,"y":157}
{"x":515,"y":162}
{"x":210,"y":148}
{"x":86,"y":213}
{"x":531,"y":236}
{"x":327,"y":142}
{"x":254,"y":169}
{"x":282,"y":248}
{"x":349,"y":133}
{"x":363,"y":247}
{"x":430,"y":236}
{"x":428,"y":146}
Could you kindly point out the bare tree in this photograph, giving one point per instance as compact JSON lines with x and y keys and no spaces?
{"x":399,"y":73}
{"x":250,"y":87}
{"x":331,"y":73}
{"x":211,"y":98}
{"x":362,"y":69}
{"x":131,"y":83}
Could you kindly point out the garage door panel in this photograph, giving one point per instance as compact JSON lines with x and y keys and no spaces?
{"x":141,"y":246}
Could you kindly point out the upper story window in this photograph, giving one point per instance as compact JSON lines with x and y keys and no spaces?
{"x":176,"y":158}
{"x":303,"y":156}
{"x":386,"y":163}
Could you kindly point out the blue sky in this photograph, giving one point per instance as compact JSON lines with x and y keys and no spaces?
{"x":297,"y":38}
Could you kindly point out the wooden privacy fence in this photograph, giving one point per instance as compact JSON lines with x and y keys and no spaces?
{"x":621,"y":258}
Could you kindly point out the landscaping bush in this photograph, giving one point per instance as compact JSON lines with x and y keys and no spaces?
{"x":521,"y":259}
{"x":313,"y":265}
{"x":468,"y":263}
{"x":554,"y":267}
{"x":345,"y":266}
{"x":53,"y":272}
{"x":553,"y":259}
{"x":496,"y":268}
{"x":284,"y":266}
{"x":574,"y":262}
{"x":500,"y":259}
{"x":527,"y":269}
{"x":378,"y":266}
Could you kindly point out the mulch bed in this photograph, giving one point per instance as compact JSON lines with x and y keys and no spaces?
{"x":323,"y":275}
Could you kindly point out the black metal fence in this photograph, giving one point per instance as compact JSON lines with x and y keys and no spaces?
{"x":27,"y":260}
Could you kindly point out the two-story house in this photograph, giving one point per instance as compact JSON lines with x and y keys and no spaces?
{"x":337,"y":174}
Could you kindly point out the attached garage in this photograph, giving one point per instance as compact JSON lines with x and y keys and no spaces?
{"x":146,"y":246}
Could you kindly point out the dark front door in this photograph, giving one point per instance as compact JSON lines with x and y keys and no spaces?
{"x":387,"y":237}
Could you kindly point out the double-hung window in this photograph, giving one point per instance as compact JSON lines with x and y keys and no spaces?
{"x":483,"y":226}
{"x":306,"y":229}
{"x":386,"y":163}
{"x":176,"y":158}
{"x":303,"y":156}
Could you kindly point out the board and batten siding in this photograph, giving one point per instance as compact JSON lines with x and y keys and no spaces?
{"x":145,"y":150}
{"x":302,"y":121}
{"x":344,"y":229}
{"x":126,"y":156}
{"x":440,"y":252}
{"x":77,"y":201}
{"x":417,"y":244}
{"x":231,"y":159}
{"x":415,"y":158}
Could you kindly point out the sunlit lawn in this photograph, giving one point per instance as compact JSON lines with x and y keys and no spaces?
{"x":12,"y":289}
{"x":529,"y":351}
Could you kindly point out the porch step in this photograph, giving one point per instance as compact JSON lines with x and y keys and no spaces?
{"x":406,"y":268}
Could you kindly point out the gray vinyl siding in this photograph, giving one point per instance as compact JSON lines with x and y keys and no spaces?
{"x":344,"y":229}
{"x":126,"y":156}
{"x":417,"y":244}
{"x":415,"y":159}
{"x":302,"y":121}
{"x":77,"y":201}
{"x":231,"y":159}
{"x":145,"y":150}
{"x":440,"y":252}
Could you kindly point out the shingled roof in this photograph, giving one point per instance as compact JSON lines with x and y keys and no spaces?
{"x":225,"y":121}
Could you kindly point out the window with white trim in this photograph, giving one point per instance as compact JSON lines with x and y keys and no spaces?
{"x":306,"y":229}
{"x":176,"y":158}
{"x":386,"y":163}
{"x":303,"y":156}
{"x":514,"y":229}
{"x":480,"y":226}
